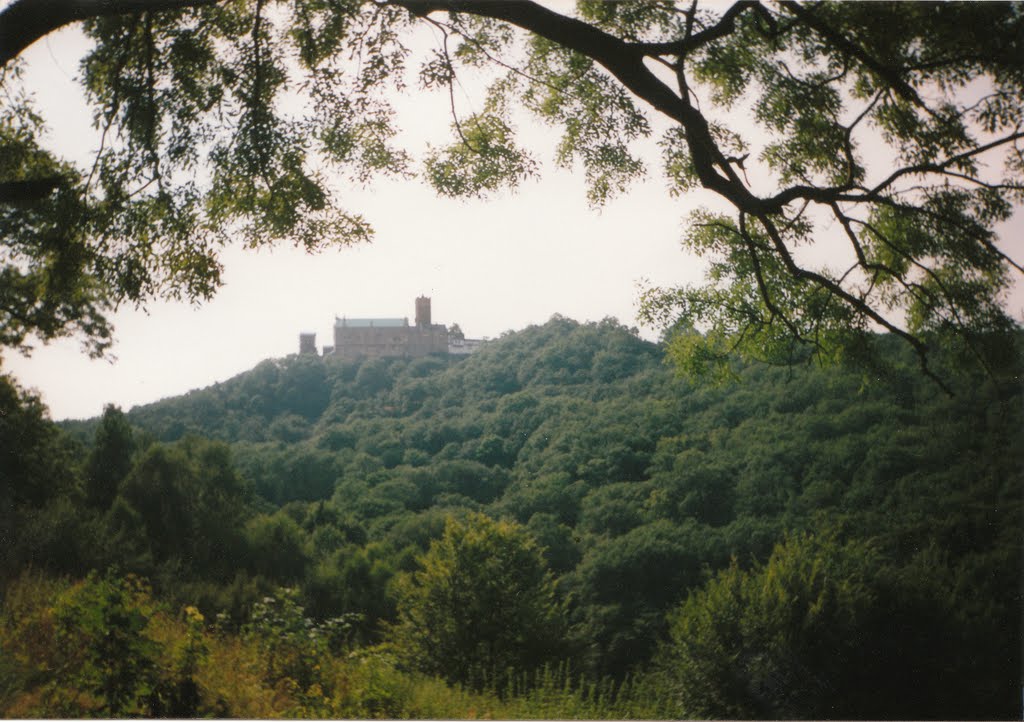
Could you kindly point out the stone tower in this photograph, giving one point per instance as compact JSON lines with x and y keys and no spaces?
{"x":307,"y":343}
{"x":423,"y":311}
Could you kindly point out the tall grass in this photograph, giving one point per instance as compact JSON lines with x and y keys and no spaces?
{"x":228,"y":675}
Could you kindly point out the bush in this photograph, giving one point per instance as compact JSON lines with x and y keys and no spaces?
{"x":481,"y":607}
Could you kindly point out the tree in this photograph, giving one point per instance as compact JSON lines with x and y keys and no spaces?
{"x":875,"y":131}
{"x":481,"y":607}
{"x":189,"y":503}
{"x":626,"y":584}
{"x":277,"y":547}
{"x":106,"y":655}
{"x":771,"y":642}
{"x":110,"y":459}
{"x":832,"y":630}
{"x":40,"y":499}
{"x":35,"y":463}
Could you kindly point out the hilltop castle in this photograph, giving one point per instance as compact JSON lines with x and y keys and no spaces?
{"x":392,"y":337}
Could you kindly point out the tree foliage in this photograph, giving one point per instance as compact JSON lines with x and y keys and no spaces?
{"x":110,"y":460}
{"x":886,"y":137}
{"x":184,"y":502}
{"x":482,"y":606}
{"x":614,"y":496}
{"x":101,"y":625}
{"x":820,"y":631}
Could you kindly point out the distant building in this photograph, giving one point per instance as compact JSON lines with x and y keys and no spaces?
{"x":307,"y":343}
{"x":464,"y":346}
{"x":459,"y":345}
{"x":392,"y":337}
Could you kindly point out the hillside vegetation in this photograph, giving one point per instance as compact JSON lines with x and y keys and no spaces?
{"x":556,"y":526}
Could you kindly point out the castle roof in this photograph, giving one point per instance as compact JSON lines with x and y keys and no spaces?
{"x":370,"y":322}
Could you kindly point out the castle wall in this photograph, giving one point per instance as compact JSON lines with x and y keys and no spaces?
{"x":356,"y":338}
{"x":427,"y":340}
{"x":374,"y":342}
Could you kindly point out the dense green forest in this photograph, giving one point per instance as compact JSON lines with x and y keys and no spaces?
{"x":556,"y":526}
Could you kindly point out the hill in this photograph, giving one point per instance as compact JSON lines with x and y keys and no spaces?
{"x":641,"y":489}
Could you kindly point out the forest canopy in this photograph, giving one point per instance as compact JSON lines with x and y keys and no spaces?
{"x":557,"y":526}
{"x":887,"y":135}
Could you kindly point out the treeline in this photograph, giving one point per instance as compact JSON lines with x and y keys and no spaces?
{"x":803,"y":542}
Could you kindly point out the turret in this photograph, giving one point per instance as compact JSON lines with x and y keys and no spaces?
{"x":423,"y":311}
{"x":307,"y":343}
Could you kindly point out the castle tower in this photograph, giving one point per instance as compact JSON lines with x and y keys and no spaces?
{"x":423,"y":311}
{"x":307,"y":343}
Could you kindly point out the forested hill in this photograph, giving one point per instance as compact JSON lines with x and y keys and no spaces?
{"x":684,"y":523}
{"x":295,"y":398}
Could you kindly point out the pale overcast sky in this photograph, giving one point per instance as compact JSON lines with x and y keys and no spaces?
{"x":490,"y":266}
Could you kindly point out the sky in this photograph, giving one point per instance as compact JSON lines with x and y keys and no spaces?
{"x":490,"y":266}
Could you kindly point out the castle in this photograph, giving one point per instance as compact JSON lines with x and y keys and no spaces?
{"x":392,"y":337}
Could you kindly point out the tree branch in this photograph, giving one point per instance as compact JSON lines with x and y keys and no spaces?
{"x":840,"y":193}
{"x":941,"y":166}
{"x":762,"y":285}
{"x":487,"y":54}
{"x":887,"y":73}
{"x":724,"y":27}
{"x":22,"y":191}
{"x":861,"y":306}
{"x":625,"y":61}
{"x":25,"y":21}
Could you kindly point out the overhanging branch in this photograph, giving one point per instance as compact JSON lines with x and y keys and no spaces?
{"x":888,"y":73}
{"x":22,"y":191}
{"x":724,"y":27}
{"x":25,"y":21}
